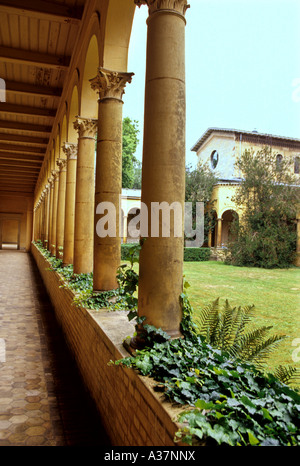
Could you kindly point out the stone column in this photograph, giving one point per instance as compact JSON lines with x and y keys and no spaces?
{"x":107,"y":249}
{"x":54,"y":212}
{"x":29,"y":224}
{"x":163,"y":174}
{"x":51,"y":189}
{"x":43,"y":215}
{"x":85,"y":194}
{"x":209,"y":241}
{"x":71,"y":153}
{"x":60,"y":223}
{"x":125,"y":224}
{"x":219,"y":233}
{"x":47,"y":208}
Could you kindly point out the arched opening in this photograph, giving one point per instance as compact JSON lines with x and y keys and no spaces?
{"x":228,"y":218}
{"x":74,"y":109}
{"x":89,"y":105}
{"x":133,"y":225}
{"x":117,"y":34}
{"x":64,"y":132}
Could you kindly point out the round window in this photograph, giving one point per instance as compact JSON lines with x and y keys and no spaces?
{"x":214,"y":159}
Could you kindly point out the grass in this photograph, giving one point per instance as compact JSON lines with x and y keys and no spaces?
{"x":275,"y":294}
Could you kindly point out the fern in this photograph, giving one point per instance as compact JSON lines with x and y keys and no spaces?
{"x":287,"y":374}
{"x":226,"y":328}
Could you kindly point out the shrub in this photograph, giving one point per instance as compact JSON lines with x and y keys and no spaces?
{"x":197,"y":254}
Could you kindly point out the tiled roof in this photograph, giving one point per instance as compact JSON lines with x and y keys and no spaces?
{"x":253,"y":134}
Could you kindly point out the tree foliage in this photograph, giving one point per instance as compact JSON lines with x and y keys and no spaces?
{"x":199,"y":184}
{"x":131,"y":167}
{"x":269,"y":198}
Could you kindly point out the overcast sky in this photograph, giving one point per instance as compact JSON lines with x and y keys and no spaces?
{"x":242,"y":68}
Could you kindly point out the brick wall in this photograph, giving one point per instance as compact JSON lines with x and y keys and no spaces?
{"x":133,"y":414}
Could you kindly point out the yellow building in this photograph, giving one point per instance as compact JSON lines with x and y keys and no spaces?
{"x":221,"y":149}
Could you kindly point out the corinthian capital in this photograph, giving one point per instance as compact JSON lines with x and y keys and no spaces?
{"x":86,"y":127}
{"x":61,"y":163}
{"x":70,"y":150}
{"x":110,"y":84}
{"x":179,"y":6}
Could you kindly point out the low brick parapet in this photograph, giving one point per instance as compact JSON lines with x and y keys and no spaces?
{"x":132,"y":412}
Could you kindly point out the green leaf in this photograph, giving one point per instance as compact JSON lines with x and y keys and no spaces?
{"x":252,"y":439}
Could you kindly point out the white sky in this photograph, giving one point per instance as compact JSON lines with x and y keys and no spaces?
{"x":242,"y":68}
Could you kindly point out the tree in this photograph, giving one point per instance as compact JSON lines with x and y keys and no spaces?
{"x":199,"y":184}
{"x":130,"y":164}
{"x":269,"y":198}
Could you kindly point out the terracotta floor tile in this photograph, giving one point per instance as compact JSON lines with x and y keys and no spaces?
{"x":35,"y":381}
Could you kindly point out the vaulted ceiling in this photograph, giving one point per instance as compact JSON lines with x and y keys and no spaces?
{"x":36,"y":43}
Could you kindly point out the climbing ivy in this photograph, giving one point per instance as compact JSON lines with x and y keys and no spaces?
{"x":225,"y":400}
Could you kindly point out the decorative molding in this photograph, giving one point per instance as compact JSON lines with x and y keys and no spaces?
{"x":86,"y":127}
{"x":61,"y":163}
{"x":70,"y":150}
{"x":51,"y":181}
{"x":110,"y":84}
{"x":54,"y":174}
{"x":179,"y":6}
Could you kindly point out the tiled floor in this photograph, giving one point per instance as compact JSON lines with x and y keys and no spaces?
{"x":42,"y":398}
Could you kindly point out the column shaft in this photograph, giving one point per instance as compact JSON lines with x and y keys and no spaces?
{"x":107,"y":245}
{"x":54,"y":213}
{"x":219,"y":233}
{"x":51,"y":192}
{"x":68,"y":251}
{"x":163,"y":175}
{"x":60,"y":224}
{"x":85,"y":196}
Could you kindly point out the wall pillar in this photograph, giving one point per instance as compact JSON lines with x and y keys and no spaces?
{"x":163,"y":171}
{"x":85,"y":194}
{"x":71,"y":153}
{"x":219,"y":233}
{"x":54,"y":212}
{"x":60,"y":224}
{"x":107,"y":249}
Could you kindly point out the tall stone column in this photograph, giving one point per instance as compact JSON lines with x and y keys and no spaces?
{"x":54,"y":212}
{"x":47,"y":209}
{"x":60,"y":223}
{"x":163,"y":172}
{"x":51,"y":190}
{"x":107,"y":249}
{"x":71,"y":153}
{"x":29,"y":224}
{"x":43,"y":215}
{"x":85,"y":195}
{"x":219,"y":233}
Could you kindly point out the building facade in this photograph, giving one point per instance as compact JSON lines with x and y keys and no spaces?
{"x":221,"y":149}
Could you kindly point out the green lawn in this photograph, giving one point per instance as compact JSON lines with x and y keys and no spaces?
{"x":275,"y":294}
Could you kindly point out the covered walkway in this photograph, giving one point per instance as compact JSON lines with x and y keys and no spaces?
{"x":42,"y":399}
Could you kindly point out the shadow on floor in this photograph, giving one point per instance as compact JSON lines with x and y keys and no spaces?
{"x":74,"y":415}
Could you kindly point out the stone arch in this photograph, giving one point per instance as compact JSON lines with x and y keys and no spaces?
{"x":228,"y":216}
{"x":72,"y":114}
{"x":89,"y":105}
{"x":118,"y":26}
{"x":64,"y":130}
{"x":131,"y":214}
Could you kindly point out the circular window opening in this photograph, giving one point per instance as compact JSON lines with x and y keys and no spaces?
{"x":214,"y":159}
